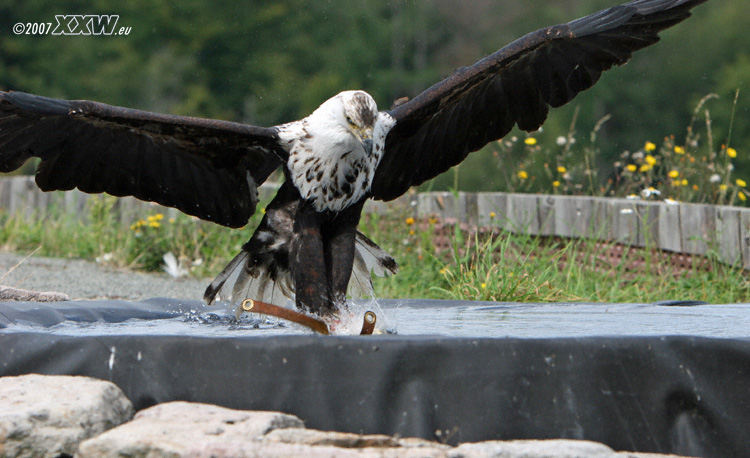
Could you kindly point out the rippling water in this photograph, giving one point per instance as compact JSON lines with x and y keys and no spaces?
{"x":404,"y":317}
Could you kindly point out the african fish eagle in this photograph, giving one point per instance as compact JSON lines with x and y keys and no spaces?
{"x":347,"y":151}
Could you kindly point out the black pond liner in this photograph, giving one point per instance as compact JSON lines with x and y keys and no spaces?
{"x":671,"y":377}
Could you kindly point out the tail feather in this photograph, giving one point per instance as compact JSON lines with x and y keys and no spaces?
{"x":369,"y":259}
{"x":256,"y":273}
{"x":231,"y":270}
{"x":260,"y":285}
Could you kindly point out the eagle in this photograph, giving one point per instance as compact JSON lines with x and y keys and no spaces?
{"x":307,"y":247}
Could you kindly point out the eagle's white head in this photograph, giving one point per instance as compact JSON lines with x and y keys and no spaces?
{"x":351,"y":114}
{"x":335,"y":151}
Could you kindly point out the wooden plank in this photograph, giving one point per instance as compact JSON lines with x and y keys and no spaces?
{"x":745,"y":238}
{"x":601,"y":227}
{"x":648,"y":223}
{"x":5,"y":194}
{"x":406,"y":203}
{"x":670,"y":238}
{"x":440,"y":204}
{"x":624,"y":221}
{"x":522,"y":213}
{"x":697,"y":227}
{"x":546,"y":214}
{"x":470,"y":208}
{"x":728,"y":235}
{"x":573,"y":216}
{"x":492,"y":209}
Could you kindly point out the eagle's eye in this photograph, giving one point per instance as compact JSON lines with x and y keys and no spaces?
{"x":349,"y":120}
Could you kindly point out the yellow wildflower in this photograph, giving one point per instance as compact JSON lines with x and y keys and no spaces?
{"x":679,"y":150}
{"x":645,"y":168}
{"x":722,"y":187}
{"x":484,"y":285}
{"x":555,"y":184}
{"x":411,"y":232}
{"x":742,"y":196}
{"x":523,"y":175}
{"x":684,"y":182}
{"x":409,"y":221}
{"x":731,"y":152}
{"x":673,"y":174}
{"x":650,"y":160}
{"x":649,"y":147}
{"x":741,"y":183}
{"x":530,"y":141}
{"x":631,"y":168}
{"x":432,"y":220}
{"x":492,"y":215}
{"x":561,"y":169}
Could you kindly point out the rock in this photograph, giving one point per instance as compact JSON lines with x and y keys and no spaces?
{"x":555,"y":448}
{"x":182,"y":429}
{"x":550,"y":448}
{"x":191,"y":430}
{"x":346,"y":440}
{"x":335,"y":439}
{"x":56,"y":416}
{"x":48,"y":416}
{"x":9,"y":293}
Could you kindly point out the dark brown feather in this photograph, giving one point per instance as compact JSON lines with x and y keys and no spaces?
{"x":514,"y":86}
{"x":198,"y":166}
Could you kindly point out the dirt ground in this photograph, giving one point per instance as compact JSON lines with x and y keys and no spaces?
{"x":88,"y":280}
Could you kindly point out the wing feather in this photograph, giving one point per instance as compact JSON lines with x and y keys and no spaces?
{"x":199,"y":166}
{"x":514,"y":86}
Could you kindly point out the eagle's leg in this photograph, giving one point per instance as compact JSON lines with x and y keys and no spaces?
{"x":323,"y":249}
{"x":339,"y":233}
{"x":312,"y":289}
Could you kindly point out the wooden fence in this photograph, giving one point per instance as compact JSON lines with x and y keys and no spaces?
{"x":21,"y":194}
{"x":678,"y":227}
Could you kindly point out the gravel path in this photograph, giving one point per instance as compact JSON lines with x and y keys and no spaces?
{"x":88,"y":280}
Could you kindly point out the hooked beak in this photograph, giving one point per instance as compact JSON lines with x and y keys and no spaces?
{"x":366,"y":139}
{"x":367,"y":143}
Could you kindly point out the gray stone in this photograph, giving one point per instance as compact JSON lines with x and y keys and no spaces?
{"x":554,"y":448}
{"x":345,"y":440}
{"x":181,"y":429}
{"x":281,"y":450}
{"x":56,"y":416}
{"x":9,"y":293}
{"x":48,"y":416}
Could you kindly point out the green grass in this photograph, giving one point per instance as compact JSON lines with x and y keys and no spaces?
{"x":502,"y":266}
{"x":204,"y":248}
{"x":466,"y":265}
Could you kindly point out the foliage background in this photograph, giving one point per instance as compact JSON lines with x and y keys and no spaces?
{"x":267,"y":62}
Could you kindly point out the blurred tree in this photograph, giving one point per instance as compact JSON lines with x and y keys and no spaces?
{"x":271,"y":61}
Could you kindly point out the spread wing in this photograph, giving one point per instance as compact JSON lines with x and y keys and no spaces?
{"x":516,"y":85}
{"x":205,"y":168}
